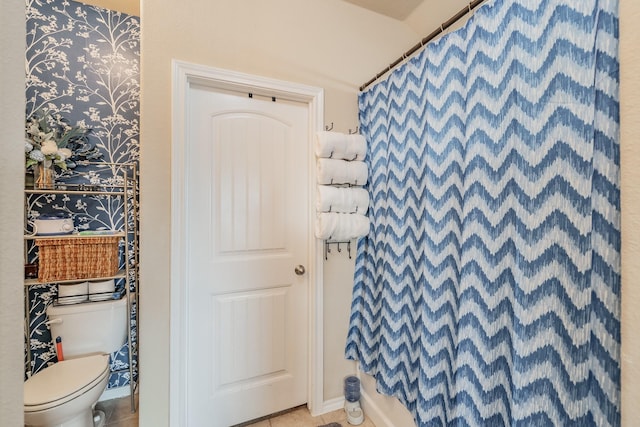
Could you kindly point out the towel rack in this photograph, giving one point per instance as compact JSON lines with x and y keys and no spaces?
{"x":327,"y":248}
{"x":330,"y":127}
{"x":328,"y":242}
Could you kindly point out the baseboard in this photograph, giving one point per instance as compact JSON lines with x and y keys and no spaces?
{"x":333,"y":404}
{"x":329,"y":406}
{"x":115,"y":393}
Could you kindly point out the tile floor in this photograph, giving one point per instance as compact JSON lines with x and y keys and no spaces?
{"x":118,"y":412}
{"x":300,"y":417}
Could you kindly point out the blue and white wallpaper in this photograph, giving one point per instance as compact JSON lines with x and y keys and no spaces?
{"x":83,"y":63}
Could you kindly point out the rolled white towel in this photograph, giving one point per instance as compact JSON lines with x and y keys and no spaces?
{"x":340,"y":146}
{"x":342,"y":200}
{"x":331,"y":171}
{"x":102,"y":290}
{"x":331,"y":145}
{"x":341,"y":226}
{"x":73,"y":293}
{"x":356,"y":147}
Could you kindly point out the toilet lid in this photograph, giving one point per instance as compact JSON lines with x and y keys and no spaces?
{"x":64,"y":379}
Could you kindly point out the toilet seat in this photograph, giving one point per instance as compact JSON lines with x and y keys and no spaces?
{"x":64,"y":381}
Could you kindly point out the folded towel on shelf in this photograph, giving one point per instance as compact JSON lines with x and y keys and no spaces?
{"x":340,"y":146}
{"x":341,"y":226}
{"x":356,"y":147}
{"x":342,"y":199}
{"x":331,"y":171}
{"x":330,"y":145}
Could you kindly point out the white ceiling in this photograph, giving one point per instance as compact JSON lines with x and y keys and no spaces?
{"x":397,"y":9}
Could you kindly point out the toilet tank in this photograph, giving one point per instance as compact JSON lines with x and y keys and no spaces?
{"x":89,"y":328}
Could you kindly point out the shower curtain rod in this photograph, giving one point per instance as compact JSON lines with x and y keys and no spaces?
{"x":455,"y":18}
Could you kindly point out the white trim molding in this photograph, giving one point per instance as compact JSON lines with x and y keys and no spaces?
{"x":184,"y":75}
{"x":333,"y":404}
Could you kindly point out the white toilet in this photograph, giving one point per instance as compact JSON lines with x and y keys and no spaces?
{"x":64,"y":394}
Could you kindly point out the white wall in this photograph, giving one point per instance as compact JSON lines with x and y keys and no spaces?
{"x":338,"y":281}
{"x":630,"y":159}
{"x":12,"y":48}
{"x":329,"y":44}
{"x":429,"y":15}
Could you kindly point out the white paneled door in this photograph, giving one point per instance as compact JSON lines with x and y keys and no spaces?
{"x":247,"y":222}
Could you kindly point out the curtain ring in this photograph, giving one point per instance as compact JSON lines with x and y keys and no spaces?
{"x":469,"y":6}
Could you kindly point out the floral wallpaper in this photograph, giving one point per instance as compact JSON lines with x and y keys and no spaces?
{"x":82,"y":62}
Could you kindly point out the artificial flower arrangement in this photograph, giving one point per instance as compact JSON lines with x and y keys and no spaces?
{"x":50,"y":140}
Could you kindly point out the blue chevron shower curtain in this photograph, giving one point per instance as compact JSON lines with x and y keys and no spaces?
{"x":488,"y":290}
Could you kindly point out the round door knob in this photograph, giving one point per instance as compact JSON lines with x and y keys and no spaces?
{"x":300,"y":270}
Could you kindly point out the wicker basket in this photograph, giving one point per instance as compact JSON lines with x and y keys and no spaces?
{"x":77,"y":258}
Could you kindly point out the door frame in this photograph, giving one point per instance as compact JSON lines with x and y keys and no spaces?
{"x":185,"y":74}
